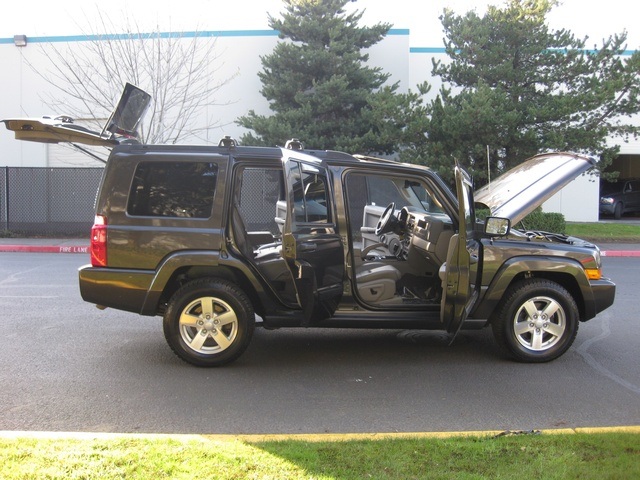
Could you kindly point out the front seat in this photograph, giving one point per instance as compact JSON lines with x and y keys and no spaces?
{"x":376,"y":282}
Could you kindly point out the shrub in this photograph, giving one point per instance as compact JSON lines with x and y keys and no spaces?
{"x":543,"y":222}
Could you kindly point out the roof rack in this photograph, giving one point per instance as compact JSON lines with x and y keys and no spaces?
{"x":294,"y":144}
{"x":227,"y":142}
{"x":374,"y":159}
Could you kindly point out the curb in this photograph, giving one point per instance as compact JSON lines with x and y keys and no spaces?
{"x":45,"y":248}
{"x":320,"y":437}
{"x":620,"y":253}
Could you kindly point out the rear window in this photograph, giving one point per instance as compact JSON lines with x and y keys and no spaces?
{"x":173,"y":189}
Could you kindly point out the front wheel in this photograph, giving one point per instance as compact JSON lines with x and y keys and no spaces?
{"x":617,"y":212}
{"x":209,"y":322}
{"x":537,"y":321}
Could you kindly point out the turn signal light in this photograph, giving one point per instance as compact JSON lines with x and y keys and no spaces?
{"x":99,"y":242}
{"x":593,"y":273}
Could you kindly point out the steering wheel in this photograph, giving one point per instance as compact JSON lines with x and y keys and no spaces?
{"x":386,"y":222}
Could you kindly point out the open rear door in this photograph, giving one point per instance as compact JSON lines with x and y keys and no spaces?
{"x":458,"y":295}
{"x":311,"y":246}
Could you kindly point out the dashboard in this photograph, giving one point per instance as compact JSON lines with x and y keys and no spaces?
{"x":423,"y":232}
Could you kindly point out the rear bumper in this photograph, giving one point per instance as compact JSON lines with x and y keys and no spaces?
{"x":116,"y":288}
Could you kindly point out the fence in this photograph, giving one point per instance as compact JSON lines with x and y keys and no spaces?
{"x":48,"y":201}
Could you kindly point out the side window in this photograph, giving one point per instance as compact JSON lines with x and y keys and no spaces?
{"x":309,"y":194}
{"x":383,"y":191}
{"x":259,"y":194}
{"x":173,"y":189}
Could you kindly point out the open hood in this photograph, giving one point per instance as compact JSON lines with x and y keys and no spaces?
{"x":522,"y":189}
{"x":122,"y":124}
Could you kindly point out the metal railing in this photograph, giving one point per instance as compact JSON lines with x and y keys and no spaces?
{"x":36,"y":201}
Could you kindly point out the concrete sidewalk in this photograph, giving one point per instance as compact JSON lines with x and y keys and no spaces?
{"x":80,"y":245}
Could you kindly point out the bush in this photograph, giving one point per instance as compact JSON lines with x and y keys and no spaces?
{"x":543,"y":222}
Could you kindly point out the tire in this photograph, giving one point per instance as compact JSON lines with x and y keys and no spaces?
{"x":209,"y":322}
{"x":523,"y":327}
{"x":617,"y":212}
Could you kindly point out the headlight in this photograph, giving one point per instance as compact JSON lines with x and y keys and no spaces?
{"x":607,"y":200}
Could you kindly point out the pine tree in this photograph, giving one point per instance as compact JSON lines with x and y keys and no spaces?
{"x":318,"y":84}
{"x":520,"y":88}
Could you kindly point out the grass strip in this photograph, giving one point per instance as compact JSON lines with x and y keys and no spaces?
{"x":557,"y":456}
{"x":605,"y":232}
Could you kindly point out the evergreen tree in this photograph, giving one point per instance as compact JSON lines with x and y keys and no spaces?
{"x":318,"y":85}
{"x":519,"y":88}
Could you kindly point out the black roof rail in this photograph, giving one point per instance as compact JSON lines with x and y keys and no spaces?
{"x":374,"y":159}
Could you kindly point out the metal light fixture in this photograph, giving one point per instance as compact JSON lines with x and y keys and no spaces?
{"x":20,"y":40}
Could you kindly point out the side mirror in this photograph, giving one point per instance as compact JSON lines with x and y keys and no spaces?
{"x":497,"y":226}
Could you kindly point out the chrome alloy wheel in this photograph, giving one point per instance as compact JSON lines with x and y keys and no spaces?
{"x":539,"y":323}
{"x":208,"y":325}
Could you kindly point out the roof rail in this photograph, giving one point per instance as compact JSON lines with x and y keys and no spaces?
{"x":374,"y":159}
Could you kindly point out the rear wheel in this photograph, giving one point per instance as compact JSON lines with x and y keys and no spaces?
{"x":209,"y":322}
{"x":537,"y":321}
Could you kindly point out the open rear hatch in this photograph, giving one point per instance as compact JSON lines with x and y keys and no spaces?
{"x":122,"y":124}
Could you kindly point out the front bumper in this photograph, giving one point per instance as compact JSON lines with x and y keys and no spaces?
{"x":604,"y":292}
{"x":607,"y":209}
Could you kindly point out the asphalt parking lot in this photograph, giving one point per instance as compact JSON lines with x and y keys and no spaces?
{"x":71,"y":367}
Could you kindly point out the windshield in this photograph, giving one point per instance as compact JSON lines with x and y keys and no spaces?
{"x":401,"y":191}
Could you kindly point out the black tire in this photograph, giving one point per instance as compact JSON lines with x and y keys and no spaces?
{"x":617,"y":212}
{"x":523,"y":327}
{"x":209,"y":322}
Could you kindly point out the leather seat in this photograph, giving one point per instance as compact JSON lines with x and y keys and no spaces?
{"x":376,"y":282}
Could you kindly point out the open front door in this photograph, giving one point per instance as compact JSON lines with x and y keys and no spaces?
{"x":458,"y":295}
{"x":310,"y":244}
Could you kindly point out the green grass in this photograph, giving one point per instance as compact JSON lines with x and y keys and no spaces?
{"x":611,"y":455}
{"x":605,"y":232}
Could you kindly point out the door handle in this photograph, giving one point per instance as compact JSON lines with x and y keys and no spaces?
{"x":307,"y":247}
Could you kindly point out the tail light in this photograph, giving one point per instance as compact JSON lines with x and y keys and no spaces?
{"x":99,"y":242}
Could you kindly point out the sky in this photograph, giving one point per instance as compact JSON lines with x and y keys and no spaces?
{"x":597,"y":19}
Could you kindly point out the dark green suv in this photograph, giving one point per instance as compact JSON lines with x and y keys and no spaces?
{"x":210,"y":237}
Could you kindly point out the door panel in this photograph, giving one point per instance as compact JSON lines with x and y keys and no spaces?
{"x":370,"y":219}
{"x":311,"y":245}
{"x":458,"y":295}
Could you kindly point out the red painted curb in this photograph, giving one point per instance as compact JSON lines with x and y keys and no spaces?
{"x":620,"y":253}
{"x":45,"y":248}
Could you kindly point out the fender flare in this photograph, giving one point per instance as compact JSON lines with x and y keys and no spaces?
{"x":188,"y":259}
{"x":549,"y":267}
